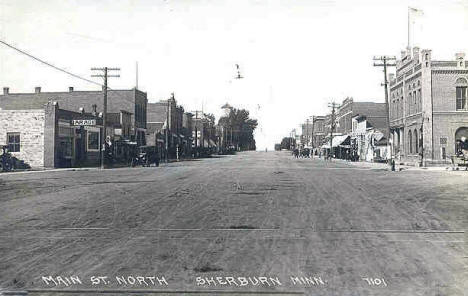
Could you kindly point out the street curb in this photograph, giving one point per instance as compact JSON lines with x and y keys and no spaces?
{"x":49,"y":170}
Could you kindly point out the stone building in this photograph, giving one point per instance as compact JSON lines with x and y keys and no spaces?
{"x":132,"y":102}
{"x":51,"y":137}
{"x":428,"y":107}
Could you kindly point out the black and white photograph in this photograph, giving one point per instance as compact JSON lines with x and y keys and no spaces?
{"x":233,"y":147}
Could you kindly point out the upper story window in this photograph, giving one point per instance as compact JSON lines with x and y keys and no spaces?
{"x":461,"y":94}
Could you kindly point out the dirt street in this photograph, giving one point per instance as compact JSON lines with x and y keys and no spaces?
{"x":255,"y":221}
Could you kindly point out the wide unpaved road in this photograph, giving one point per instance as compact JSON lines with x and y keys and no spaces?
{"x":251,"y":215}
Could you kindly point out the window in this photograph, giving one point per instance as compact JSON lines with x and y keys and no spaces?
{"x":419,"y":100}
{"x":410,"y":99}
{"x":93,"y":141}
{"x":13,"y":142}
{"x":461,"y":98}
{"x":416,"y":142}
{"x":410,"y":142}
{"x":461,"y":93}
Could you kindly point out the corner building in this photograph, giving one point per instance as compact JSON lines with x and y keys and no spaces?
{"x":428,"y":107}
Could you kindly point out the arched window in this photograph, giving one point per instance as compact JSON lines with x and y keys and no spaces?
{"x":410,"y":142}
{"x":416,"y":144}
{"x":461,"y":85}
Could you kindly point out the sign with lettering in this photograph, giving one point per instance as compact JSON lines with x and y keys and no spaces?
{"x":86,"y":122}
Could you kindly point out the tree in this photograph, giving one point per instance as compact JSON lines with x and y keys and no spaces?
{"x":240,"y":128}
{"x":286,"y":143}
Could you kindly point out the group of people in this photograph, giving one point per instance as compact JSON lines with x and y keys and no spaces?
{"x":301,"y":153}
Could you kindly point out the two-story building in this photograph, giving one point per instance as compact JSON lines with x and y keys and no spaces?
{"x":368,"y":138}
{"x":428,"y":107}
{"x":130,"y":103}
{"x":343,"y":125}
{"x":168,"y":122}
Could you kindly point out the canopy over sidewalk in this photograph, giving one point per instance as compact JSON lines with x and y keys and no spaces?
{"x":337,"y":141}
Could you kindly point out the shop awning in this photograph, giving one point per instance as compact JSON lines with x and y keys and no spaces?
{"x":337,"y":141}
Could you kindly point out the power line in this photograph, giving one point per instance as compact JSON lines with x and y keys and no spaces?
{"x":385,"y":62}
{"x":104,"y":75}
{"x":332,"y":105}
{"x":48,"y":64}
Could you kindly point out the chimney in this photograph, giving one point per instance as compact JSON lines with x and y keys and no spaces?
{"x":460,"y":58}
{"x":94,"y":109}
{"x":70,"y":89}
{"x":37,"y":89}
{"x":6,"y":90}
{"x":82,"y":111}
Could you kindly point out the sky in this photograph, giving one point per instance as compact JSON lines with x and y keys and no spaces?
{"x":295,"y":55}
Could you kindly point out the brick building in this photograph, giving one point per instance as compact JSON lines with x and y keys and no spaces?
{"x":131,"y":102}
{"x":428,"y":107}
{"x":318,"y":131}
{"x":50,"y":136}
{"x":166,"y":116}
{"x":307,"y":131}
{"x":343,"y":124}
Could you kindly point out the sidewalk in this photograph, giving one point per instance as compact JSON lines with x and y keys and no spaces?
{"x":43,"y":170}
{"x":384,"y":166}
{"x":163,"y":163}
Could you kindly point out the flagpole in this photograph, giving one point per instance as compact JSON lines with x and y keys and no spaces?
{"x":409,"y":29}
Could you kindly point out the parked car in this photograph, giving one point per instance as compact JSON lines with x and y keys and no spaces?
{"x":6,"y":161}
{"x":145,"y":156}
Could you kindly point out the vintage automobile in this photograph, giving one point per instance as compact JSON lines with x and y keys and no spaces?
{"x":6,"y":161}
{"x":145,"y":156}
{"x":460,"y":160}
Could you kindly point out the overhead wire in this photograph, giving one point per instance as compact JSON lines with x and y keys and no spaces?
{"x":48,"y":64}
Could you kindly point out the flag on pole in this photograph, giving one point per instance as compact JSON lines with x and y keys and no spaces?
{"x":415,"y":12}
{"x":412,"y":14}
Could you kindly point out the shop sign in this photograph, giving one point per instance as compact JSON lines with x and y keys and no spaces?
{"x":84,"y":122}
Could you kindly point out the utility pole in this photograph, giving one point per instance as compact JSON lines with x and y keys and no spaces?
{"x":104,"y":75}
{"x":136,"y":75}
{"x":196,"y":133}
{"x":332,"y":105}
{"x":312,"y":144}
{"x":167,"y":131}
{"x":387,"y":61}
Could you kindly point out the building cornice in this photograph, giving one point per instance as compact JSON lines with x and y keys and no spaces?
{"x":452,"y":71}
{"x":459,"y":112}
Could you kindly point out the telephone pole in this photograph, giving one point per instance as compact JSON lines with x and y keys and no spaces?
{"x":104,"y":75}
{"x":387,"y":61}
{"x":167,"y":132}
{"x":332,"y":105}
{"x":312,"y":144}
